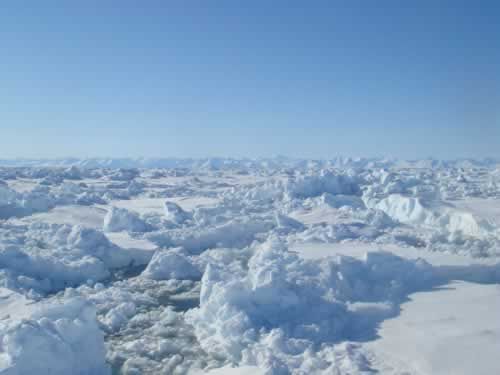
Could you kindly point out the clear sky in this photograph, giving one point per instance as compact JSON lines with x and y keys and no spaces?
{"x":249,"y":78}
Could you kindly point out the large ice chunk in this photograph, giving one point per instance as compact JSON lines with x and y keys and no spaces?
{"x":120,"y":219}
{"x":435,"y":215}
{"x":56,"y":339}
{"x":171,"y":264}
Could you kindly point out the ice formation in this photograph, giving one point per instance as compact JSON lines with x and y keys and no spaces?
{"x":56,"y":338}
{"x":281,"y":309}
{"x":171,"y":264}
{"x":221,"y":266}
{"x":175,"y":213}
{"x":119,"y":219}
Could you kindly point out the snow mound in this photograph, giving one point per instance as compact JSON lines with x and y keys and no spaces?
{"x":171,"y":264}
{"x":120,"y":219}
{"x":411,"y":210}
{"x":57,"y":339}
{"x":407,"y":209}
{"x":95,"y":243}
{"x":275,"y":312}
{"x":48,"y":258}
{"x":14,"y":204}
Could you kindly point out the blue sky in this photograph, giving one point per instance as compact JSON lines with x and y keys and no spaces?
{"x":231,"y":78}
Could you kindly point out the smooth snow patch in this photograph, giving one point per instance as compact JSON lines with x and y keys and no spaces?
{"x":125,"y":241}
{"x":14,"y":305}
{"x":453,"y":330}
{"x":87,"y":216}
{"x":358,"y":249}
{"x":485,"y":209}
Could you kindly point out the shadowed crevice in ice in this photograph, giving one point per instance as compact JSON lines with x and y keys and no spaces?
{"x":180,"y":303}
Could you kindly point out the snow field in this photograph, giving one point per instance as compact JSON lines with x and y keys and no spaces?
{"x":226,"y":266}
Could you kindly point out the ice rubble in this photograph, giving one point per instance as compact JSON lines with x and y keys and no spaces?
{"x":45,"y":258}
{"x":120,"y":219}
{"x":282,"y":309}
{"x":171,"y":264}
{"x":235,"y":233}
{"x":13,"y":204}
{"x":57,"y":338}
{"x":223,"y":289}
{"x":415,"y":211}
{"x":42,"y":198}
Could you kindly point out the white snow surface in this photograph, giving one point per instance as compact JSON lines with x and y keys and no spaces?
{"x":449,"y":337}
{"x":119,"y":220}
{"x":171,"y":264}
{"x":258,"y":266}
{"x":57,"y":338}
